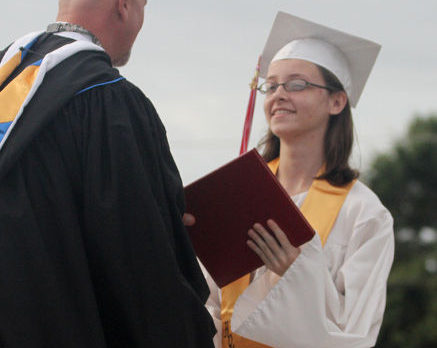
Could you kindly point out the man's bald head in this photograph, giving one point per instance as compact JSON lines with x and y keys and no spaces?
{"x":115,"y":23}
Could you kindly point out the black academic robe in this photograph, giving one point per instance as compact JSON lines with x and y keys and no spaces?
{"x":93,"y":252}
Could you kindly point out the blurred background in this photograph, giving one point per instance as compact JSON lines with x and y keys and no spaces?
{"x":195,"y":60}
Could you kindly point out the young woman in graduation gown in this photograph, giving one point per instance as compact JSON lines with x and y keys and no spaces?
{"x":331,"y":291}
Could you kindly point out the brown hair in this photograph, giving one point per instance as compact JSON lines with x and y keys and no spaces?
{"x":338,"y":141}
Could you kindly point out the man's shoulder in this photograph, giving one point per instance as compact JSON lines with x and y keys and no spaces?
{"x":82,"y":70}
{"x":88,"y":61}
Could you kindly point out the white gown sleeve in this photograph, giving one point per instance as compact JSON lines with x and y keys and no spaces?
{"x":312,"y":307}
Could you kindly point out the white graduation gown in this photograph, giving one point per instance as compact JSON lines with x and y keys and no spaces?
{"x":329,"y":297}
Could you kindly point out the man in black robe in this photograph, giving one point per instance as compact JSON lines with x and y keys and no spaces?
{"x":93,"y":250}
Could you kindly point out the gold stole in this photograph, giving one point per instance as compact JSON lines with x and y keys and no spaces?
{"x":14,"y":94}
{"x":320,"y":207}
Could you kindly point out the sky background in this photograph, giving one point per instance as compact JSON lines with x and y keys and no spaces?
{"x":195,"y":59}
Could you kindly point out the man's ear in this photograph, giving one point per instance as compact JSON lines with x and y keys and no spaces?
{"x":123,"y":9}
{"x":337,"y":103}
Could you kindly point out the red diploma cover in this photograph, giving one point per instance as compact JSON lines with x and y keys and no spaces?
{"x":226,"y":204}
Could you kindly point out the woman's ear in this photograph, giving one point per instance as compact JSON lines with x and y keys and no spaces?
{"x":337,"y":102}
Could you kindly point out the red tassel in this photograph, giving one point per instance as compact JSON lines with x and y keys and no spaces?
{"x":250,"y":109}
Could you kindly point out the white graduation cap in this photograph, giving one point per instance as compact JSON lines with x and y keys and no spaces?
{"x":349,"y":58}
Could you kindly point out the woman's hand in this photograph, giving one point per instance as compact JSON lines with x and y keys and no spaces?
{"x":278,"y":257}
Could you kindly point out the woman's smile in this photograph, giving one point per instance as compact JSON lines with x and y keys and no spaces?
{"x":281,"y":112}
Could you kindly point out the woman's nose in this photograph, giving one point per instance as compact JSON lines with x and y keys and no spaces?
{"x":280,"y":92}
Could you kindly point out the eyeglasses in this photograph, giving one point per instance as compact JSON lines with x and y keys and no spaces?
{"x":294,"y":85}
